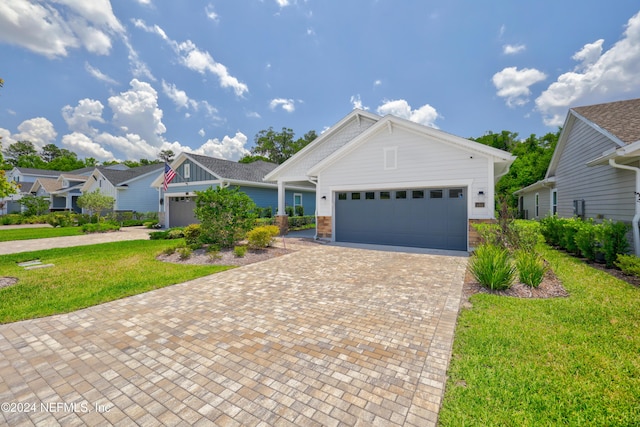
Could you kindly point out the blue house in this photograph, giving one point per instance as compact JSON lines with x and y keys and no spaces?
{"x":63,"y":191}
{"x":197,"y":173}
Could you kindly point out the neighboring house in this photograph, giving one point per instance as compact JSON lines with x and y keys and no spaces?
{"x":386,"y":180}
{"x":63,"y":192}
{"x":595,"y":169}
{"x":197,"y":173}
{"x":25,"y":178}
{"x":129,"y":187}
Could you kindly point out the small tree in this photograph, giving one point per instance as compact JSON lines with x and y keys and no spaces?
{"x":226,"y":215}
{"x":95,"y":202}
{"x":34,"y":205}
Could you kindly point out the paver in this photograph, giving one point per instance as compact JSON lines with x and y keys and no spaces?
{"x":324,"y":336}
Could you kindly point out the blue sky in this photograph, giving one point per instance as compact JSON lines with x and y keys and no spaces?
{"x":124,"y":79}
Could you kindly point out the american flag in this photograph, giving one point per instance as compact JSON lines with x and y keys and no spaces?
{"x":169,"y":174}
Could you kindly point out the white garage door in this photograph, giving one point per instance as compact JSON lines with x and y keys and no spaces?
{"x":181,"y":211}
{"x":416,"y":217}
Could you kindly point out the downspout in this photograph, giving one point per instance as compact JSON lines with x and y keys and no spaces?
{"x":636,"y":217}
{"x":315,"y":236}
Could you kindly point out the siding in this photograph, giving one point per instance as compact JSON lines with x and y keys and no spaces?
{"x":544,"y":205}
{"x":139,"y":196}
{"x":196,"y":174}
{"x":607,"y":192}
{"x":420,"y":159}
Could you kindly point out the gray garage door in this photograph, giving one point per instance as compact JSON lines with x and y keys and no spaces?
{"x":421,"y":217}
{"x":181,"y":211}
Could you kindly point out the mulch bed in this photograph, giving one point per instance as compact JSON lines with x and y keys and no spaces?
{"x":551,"y":287}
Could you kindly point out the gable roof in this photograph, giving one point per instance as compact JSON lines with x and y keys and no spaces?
{"x":234,"y":171}
{"x":314,"y":148}
{"x":38,"y":172}
{"x":49,"y":184}
{"x":621,"y":119}
{"x":120,"y":177}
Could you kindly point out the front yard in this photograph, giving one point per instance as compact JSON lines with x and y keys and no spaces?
{"x":88,"y":275}
{"x":558,"y":361}
{"x":8,"y":234}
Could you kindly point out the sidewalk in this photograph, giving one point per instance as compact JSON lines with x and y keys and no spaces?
{"x":127,"y":233}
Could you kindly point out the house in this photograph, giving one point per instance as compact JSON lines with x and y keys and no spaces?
{"x":595,"y":168}
{"x":129,"y":187}
{"x":63,"y":191}
{"x":386,"y":180}
{"x":25,"y":178}
{"x":197,"y":173}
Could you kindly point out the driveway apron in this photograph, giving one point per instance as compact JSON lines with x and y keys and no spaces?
{"x":322,"y":336}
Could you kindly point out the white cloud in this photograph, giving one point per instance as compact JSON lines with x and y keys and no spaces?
{"x":283,"y":3}
{"x":287,"y":105}
{"x":201,"y":133}
{"x":136,"y":112}
{"x":599,"y":77}
{"x":131,"y":145}
{"x":99,"y":75}
{"x":84,"y":147}
{"x":229,"y":148}
{"x":38,"y":130}
{"x":356,"y":102}
{"x":511,"y":49}
{"x":425,"y":115}
{"x":513,"y":84}
{"x":79,"y":118}
{"x":253,"y":115}
{"x":211,"y":14}
{"x":197,"y":60}
{"x":377,"y":82}
{"x":179,"y":97}
{"x":51,"y":28}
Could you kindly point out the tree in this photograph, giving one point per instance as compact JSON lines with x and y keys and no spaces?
{"x":34,"y":205}
{"x":50,"y":152}
{"x":226,"y":215}
{"x":20,"y":149}
{"x":248,"y":158}
{"x":95,"y":202}
{"x":166,"y":155}
{"x":279,"y":146}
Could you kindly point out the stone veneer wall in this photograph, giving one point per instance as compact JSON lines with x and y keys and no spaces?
{"x":323,"y":226}
{"x":282,"y":221}
{"x":474,"y":237}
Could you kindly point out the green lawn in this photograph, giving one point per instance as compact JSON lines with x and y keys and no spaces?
{"x":37,"y":233}
{"x":564,"y":361}
{"x":88,"y":275}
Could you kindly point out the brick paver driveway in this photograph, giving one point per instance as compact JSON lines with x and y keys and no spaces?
{"x":324,"y":336}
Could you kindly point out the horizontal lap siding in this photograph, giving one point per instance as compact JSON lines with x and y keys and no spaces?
{"x":139,"y":196}
{"x":419,"y":159}
{"x":607,"y":192}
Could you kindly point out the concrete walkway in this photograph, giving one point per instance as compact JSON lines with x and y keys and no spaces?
{"x":125,"y":233}
{"x":323,"y":336}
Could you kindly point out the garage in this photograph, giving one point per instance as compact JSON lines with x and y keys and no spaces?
{"x":181,"y":211}
{"x":414,"y":217}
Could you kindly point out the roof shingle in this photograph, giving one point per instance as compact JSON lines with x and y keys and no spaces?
{"x":620,"y":118}
{"x":227,"y":169}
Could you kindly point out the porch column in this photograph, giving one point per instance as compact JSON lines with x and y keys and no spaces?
{"x":281,"y":216}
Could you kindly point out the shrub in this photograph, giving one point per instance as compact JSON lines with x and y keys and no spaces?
{"x":100,"y":228}
{"x":240,"y":251}
{"x":159,"y":235}
{"x":192,"y":234}
{"x":551,"y":229}
{"x":300,"y":221}
{"x":524,"y":234}
{"x":569,"y":227}
{"x":492,"y":267}
{"x":530,"y":268}
{"x":169,"y":251}
{"x":11,"y":219}
{"x":629,"y":264}
{"x":265,"y":221}
{"x":151,"y":224}
{"x":489,"y":233}
{"x":587,"y":239}
{"x":261,"y":237}
{"x":184,"y":252}
{"x":288,"y":210}
{"x":265,"y":212}
{"x":613,"y":238}
{"x":175,"y":233}
{"x":226,"y":215}
{"x":299,"y":211}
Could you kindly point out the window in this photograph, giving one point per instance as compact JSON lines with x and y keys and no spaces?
{"x":342,"y":196}
{"x":390,"y":158}
{"x":554,"y":202}
{"x":537,"y":204}
{"x":385,"y":195}
{"x":435,"y":194}
{"x":297,"y":200}
{"x":355,"y":196}
{"x":417,"y":194}
{"x":401,"y":194}
{"x":186,"y":171}
{"x":456,"y":193}
{"x":369,"y":195}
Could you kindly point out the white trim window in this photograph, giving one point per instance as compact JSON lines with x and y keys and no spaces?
{"x":537,"y":204}
{"x":186,"y":171}
{"x":554,"y":202}
{"x":297,"y":201}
